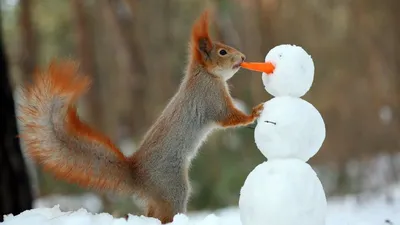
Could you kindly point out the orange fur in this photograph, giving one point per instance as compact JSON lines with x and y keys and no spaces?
{"x":200,"y":37}
{"x":238,"y":118}
{"x":62,"y":83}
{"x":161,"y":210}
{"x":78,"y":128}
{"x":202,"y":45}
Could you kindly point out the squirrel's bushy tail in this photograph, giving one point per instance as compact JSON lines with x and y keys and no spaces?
{"x":55,"y":137}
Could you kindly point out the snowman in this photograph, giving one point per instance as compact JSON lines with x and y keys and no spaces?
{"x":285,"y":190}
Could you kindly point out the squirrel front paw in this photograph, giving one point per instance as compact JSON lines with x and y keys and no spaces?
{"x":238,"y":118}
{"x":257,"y":110}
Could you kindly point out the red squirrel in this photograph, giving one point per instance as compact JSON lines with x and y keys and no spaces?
{"x":158,"y":171}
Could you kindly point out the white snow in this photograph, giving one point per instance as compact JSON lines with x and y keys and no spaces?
{"x":50,"y":216}
{"x":295,"y":129}
{"x":88,"y":201}
{"x":293,"y":74}
{"x":346,"y":210}
{"x":283,"y":192}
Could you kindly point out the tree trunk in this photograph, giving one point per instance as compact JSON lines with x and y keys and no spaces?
{"x":15,"y":190}
{"x":85,"y":51}
{"x":131,"y":69}
{"x":28,"y":47}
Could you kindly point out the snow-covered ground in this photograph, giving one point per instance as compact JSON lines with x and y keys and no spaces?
{"x":367,"y":209}
{"x":91,"y":202}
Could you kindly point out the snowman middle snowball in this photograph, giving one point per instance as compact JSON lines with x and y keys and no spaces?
{"x":289,"y":128}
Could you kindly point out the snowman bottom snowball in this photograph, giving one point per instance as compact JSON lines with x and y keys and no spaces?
{"x":282,"y":192}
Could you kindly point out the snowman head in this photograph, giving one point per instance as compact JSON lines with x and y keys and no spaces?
{"x":293,"y":74}
{"x":289,"y":128}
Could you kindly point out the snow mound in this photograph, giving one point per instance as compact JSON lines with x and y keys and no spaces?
{"x":54,"y":216}
{"x":88,"y":201}
{"x":375,"y":209}
{"x":283,"y":192}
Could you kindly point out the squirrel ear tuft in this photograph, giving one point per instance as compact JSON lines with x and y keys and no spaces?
{"x":201,"y":42}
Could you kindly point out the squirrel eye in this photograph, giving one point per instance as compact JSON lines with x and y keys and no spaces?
{"x":222,"y":52}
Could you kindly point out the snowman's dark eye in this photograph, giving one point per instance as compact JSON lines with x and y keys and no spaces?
{"x":222,"y":52}
{"x":267,"y":121}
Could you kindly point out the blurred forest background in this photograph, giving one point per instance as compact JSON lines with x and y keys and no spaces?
{"x":136,"y":52}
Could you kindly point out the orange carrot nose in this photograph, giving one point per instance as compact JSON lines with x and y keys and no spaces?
{"x":266,"y":67}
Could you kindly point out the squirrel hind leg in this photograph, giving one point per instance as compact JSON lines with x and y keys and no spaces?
{"x":165,"y":209}
{"x":161,"y":210}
